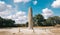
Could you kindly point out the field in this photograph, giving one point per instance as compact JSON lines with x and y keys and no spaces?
{"x":34,"y":31}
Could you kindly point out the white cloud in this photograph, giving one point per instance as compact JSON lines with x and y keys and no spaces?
{"x":2,"y":2}
{"x":56,"y":4}
{"x":9,"y":6}
{"x":47,"y":13}
{"x":24,"y":1}
{"x":19,"y":17}
{"x":6,"y":11}
{"x":34,"y":2}
{"x":2,"y":6}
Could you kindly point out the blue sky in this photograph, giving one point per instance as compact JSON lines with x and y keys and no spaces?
{"x":41,"y":4}
{"x":45,"y":7}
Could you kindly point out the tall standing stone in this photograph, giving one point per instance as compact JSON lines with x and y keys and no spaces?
{"x":30,"y":20}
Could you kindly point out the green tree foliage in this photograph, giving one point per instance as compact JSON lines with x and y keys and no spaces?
{"x":51,"y":21}
{"x":39,"y":19}
{"x":26,"y":24}
{"x":6,"y":22}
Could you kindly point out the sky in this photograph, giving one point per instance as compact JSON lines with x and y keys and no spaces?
{"x":18,"y":9}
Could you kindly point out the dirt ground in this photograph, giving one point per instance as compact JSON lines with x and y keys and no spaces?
{"x":35,"y":31}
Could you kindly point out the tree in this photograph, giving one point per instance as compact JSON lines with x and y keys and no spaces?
{"x":1,"y":19}
{"x":53,"y":20}
{"x":6,"y":22}
{"x":56,"y":19}
{"x":38,"y":19}
{"x":26,"y":24}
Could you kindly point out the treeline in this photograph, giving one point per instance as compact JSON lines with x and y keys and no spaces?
{"x":6,"y":22}
{"x":51,"y":21}
{"x":9,"y":23}
{"x":38,"y":20}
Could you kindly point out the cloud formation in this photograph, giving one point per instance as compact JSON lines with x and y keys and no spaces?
{"x":24,"y":1}
{"x":2,"y":6}
{"x":19,"y":17}
{"x":35,"y":2}
{"x":56,"y":4}
{"x":47,"y":13}
{"x":6,"y":11}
